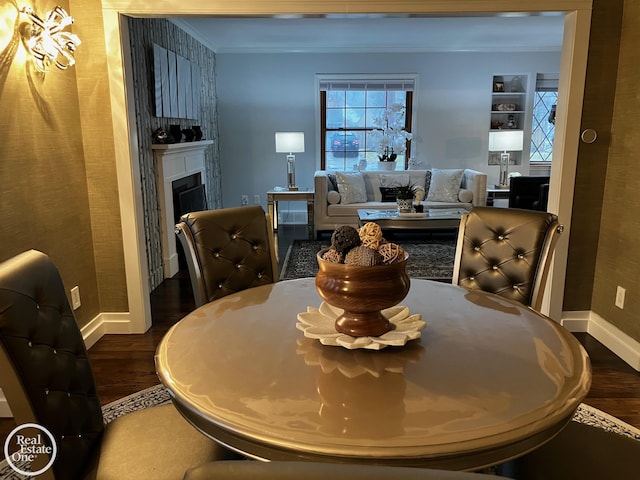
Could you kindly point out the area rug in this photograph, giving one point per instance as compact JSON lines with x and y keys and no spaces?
{"x":428,"y":259}
{"x":158,"y":395}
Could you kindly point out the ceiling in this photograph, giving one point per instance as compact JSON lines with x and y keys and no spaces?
{"x":373,"y":33}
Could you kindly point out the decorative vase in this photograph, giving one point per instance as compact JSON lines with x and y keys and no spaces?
{"x":198,"y":131}
{"x":387,"y":165}
{"x":405,"y":205}
{"x":160,"y":136}
{"x":189,"y":134}
{"x":176,"y":133}
{"x":362,"y":292}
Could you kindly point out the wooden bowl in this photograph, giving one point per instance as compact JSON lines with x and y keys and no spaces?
{"x":362,"y":292}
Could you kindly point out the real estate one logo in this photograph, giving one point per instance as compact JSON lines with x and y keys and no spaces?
{"x":30,"y":449}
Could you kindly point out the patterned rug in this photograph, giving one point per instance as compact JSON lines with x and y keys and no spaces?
{"x":158,"y":395}
{"x":428,"y":259}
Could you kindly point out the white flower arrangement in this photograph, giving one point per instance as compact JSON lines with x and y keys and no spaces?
{"x":390,"y":134}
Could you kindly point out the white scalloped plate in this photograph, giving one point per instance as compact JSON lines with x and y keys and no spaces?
{"x":318,"y":323}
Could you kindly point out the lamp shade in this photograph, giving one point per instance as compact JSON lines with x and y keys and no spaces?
{"x":504,"y":140}
{"x":289,"y":142}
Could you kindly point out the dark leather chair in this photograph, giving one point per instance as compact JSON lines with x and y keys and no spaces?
{"x":250,"y":470}
{"x":530,"y":193}
{"x":227,"y":250}
{"x":582,"y":452}
{"x":506,"y":251}
{"x":47,"y":379}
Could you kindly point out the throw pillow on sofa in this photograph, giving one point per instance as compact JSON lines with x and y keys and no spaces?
{"x":388,"y":185}
{"x":445,"y":185}
{"x":351,"y":187}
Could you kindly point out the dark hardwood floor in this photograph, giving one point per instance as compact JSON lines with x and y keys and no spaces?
{"x":123,"y":364}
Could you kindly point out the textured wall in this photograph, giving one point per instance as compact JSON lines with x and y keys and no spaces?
{"x":97,"y":135}
{"x":144,"y":33}
{"x":618,"y":258}
{"x":591,"y":169}
{"x":44,"y":193}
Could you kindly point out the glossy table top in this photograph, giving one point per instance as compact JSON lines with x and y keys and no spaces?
{"x":488,"y":380}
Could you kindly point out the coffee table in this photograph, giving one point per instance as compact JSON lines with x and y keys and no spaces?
{"x":432,"y":219}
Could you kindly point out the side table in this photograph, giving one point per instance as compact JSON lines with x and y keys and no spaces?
{"x":275,"y":196}
{"x":496,"y":194}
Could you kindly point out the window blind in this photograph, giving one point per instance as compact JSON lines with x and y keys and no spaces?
{"x":407,"y":84}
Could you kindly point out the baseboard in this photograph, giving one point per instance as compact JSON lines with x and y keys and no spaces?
{"x":625,"y":347}
{"x":103,"y":323}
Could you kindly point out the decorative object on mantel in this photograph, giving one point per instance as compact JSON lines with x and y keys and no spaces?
{"x":160,"y":136}
{"x":176,"y":133}
{"x":390,"y":135}
{"x":362,"y":274}
{"x":189,"y":134}
{"x":290,"y":142}
{"x":198,"y":132}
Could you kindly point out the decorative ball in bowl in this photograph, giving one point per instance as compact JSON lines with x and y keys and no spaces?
{"x":362,"y":292}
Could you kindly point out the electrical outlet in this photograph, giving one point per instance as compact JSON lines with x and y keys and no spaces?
{"x":245,"y":199}
{"x":620,"y":297}
{"x":256,"y":199}
{"x":75,"y":297}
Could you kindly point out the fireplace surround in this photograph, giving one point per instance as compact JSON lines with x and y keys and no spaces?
{"x":174,"y":162}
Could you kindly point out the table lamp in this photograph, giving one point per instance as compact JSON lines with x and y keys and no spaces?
{"x":503,"y":140}
{"x":290,"y":142}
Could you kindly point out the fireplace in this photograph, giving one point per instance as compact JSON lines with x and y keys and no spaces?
{"x":180,"y":174}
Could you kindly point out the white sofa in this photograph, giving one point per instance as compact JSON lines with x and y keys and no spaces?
{"x":330,"y":211}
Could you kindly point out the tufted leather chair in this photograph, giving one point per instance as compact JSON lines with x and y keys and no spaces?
{"x":227,"y":250}
{"x":47,"y":378}
{"x":506,"y":251}
{"x":280,"y":470}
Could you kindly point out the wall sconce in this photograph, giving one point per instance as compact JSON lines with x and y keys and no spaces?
{"x":290,"y":142}
{"x":46,"y":41}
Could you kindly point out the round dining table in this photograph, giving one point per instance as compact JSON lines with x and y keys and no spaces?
{"x":488,"y":380}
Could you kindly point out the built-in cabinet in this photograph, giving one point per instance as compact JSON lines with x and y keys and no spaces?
{"x":511,"y":110}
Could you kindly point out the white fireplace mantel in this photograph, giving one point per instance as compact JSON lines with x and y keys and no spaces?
{"x":173,"y":162}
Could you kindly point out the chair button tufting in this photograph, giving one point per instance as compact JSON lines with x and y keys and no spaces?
{"x":254,"y":248}
{"x":520,"y":256}
{"x":46,"y":391}
{"x":69,"y":394}
{"x":500,"y":237}
{"x":472,"y":278}
{"x":217,"y":254}
{"x":515,"y":287}
{"x":30,"y":344}
{"x":220,"y":285}
{"x":260,"y":275}
{"x":495,"y":267}
{"x":477,"y":249}
{"x":55,"y":352}
{"x":238,"y":266}
{"x":234,"y":236}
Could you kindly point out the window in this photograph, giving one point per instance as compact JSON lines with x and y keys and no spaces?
{"x":543,"y":126}
{"x":353,"y":110}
